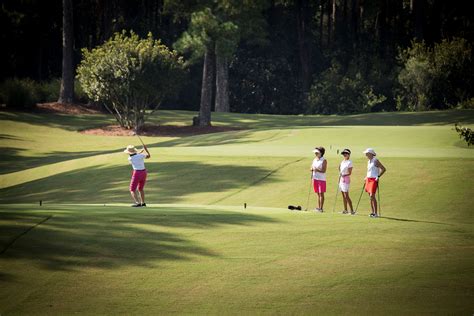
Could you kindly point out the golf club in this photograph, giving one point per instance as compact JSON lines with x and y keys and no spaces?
{"x":361,"y":192}
{"x":378,"y":196}
{"x":136,"y":134}
{"x":309,"y":190}
{"x":337,"y":192}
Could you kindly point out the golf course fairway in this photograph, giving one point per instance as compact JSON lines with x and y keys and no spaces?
{"x":196,"y":249}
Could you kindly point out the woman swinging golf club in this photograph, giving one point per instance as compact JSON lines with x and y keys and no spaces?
{"x":375,"y":170}
{"x":137,"y":160}
{"x":345,"y":171}
{"x":318,"y":168}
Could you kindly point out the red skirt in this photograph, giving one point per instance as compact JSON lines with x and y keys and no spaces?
{"x":371,"y":185}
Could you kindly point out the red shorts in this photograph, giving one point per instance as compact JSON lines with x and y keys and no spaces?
{"x":319,"y":186}
{"x":138,"y":180}
{"x":371,"y":185}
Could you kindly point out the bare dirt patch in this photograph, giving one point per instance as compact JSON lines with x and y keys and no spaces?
{"x":66,"y":108}
{"x":162,"y":131}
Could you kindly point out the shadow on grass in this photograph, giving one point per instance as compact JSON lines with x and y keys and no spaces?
{"x":413,"y":221}
{"x":67,"y":122}
{"x":168,"y":182}
{"x":12,"y":159}
{"x":370,"y":119}
{"x":111,"y":237}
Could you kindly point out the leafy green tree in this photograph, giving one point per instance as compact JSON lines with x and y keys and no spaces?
{"x":129,"y":75}
{"x":465,"y":133}
{"x":336,"y":92}
{"x":436,"y":77}
{"x":206,"y":36}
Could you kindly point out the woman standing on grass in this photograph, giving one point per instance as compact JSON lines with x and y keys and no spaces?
{"x":318,"y":168}
{"x":375,"y":170}
{"x":137,"y":160}
{"x":345,"y":171}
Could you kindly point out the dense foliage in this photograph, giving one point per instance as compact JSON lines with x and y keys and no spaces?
{"x":130,"y":75}
{"x":438,"y":77}
{"x":465,"y":133}
{"x":281,"y":56}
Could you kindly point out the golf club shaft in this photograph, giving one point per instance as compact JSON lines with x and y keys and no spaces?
{"x":378,"y":194}
{"x":361,"y":192}
{"x":309,"y":190}
{"x":337,"y":192}
{"x":141,"y":141}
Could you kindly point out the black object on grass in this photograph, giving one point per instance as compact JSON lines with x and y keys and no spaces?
{"x":296,"y":208}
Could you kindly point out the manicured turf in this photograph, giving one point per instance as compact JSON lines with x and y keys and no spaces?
{"x":195,"y":249}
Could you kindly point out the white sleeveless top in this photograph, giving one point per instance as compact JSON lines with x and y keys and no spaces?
{"x":137,"y":161}
{"x":344,"y":167}
{"x":372,"y":170}
{"x":344,"y":170}
{"x":318,"y":164}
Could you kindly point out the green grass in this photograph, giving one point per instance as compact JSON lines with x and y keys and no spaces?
{"x":197,"y":250}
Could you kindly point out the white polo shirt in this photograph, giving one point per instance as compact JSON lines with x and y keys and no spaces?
{"x":372,"y":170}
{"x":137,"y":161}
{"x":318,"y":164}
{"x":344,"y":167}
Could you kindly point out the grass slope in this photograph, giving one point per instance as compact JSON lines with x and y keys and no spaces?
{"x":196,"y":250}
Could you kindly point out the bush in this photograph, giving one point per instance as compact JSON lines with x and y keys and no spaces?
{"x":48,"y":91}
{"x":79,"y":94}
{"x":440,"y":77}
{"x":262,"y":85}
{"x":335,"y":92}
{"x":466,"y":133}
{"x":19,"y":93}
{"x":128,"y":75}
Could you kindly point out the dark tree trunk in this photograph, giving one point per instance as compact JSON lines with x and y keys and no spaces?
{"x":303,"y":26}
{"x":329,"y":22}
{"x":417,"y":10}
{"x":321,"y":26}
{"x":66,"y":93}
{"x":355,"y":18}
{"x":206,"y":88}
{"x":333,"y":19}
{"x":222,"y":84}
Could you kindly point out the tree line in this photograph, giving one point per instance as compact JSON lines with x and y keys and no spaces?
{"x":265,"y":56}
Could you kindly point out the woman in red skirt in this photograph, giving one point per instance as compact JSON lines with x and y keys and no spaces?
{"x":375,"y":170}
{"x":137,"y":160}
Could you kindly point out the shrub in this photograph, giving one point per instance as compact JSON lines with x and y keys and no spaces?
{"x":128,"y":75}
{"x":335,"y":92}
{"x":262,"y":85}
{"x":48,"y":91}
{"x":19,"y":93}
{"x":466,"y":133}
{"x":438,"y":77}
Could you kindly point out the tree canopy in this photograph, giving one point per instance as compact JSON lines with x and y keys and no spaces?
{"x":271,"y":56}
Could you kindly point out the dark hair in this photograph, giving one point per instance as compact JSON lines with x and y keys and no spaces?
{"x":321,"y":150}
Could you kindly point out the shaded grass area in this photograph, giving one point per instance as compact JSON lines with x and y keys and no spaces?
{"x":279,"y":121}
{"x":173,"y":259}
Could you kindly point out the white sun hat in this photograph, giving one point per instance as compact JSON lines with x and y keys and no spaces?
{"x":316,"y":150}
{"x":130,"y":150}
{"x":370,"y":151}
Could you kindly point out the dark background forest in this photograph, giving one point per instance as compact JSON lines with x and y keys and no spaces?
{"x":286,"y":57}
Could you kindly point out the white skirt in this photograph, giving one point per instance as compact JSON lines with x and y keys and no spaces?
{"x":344,"y":187}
